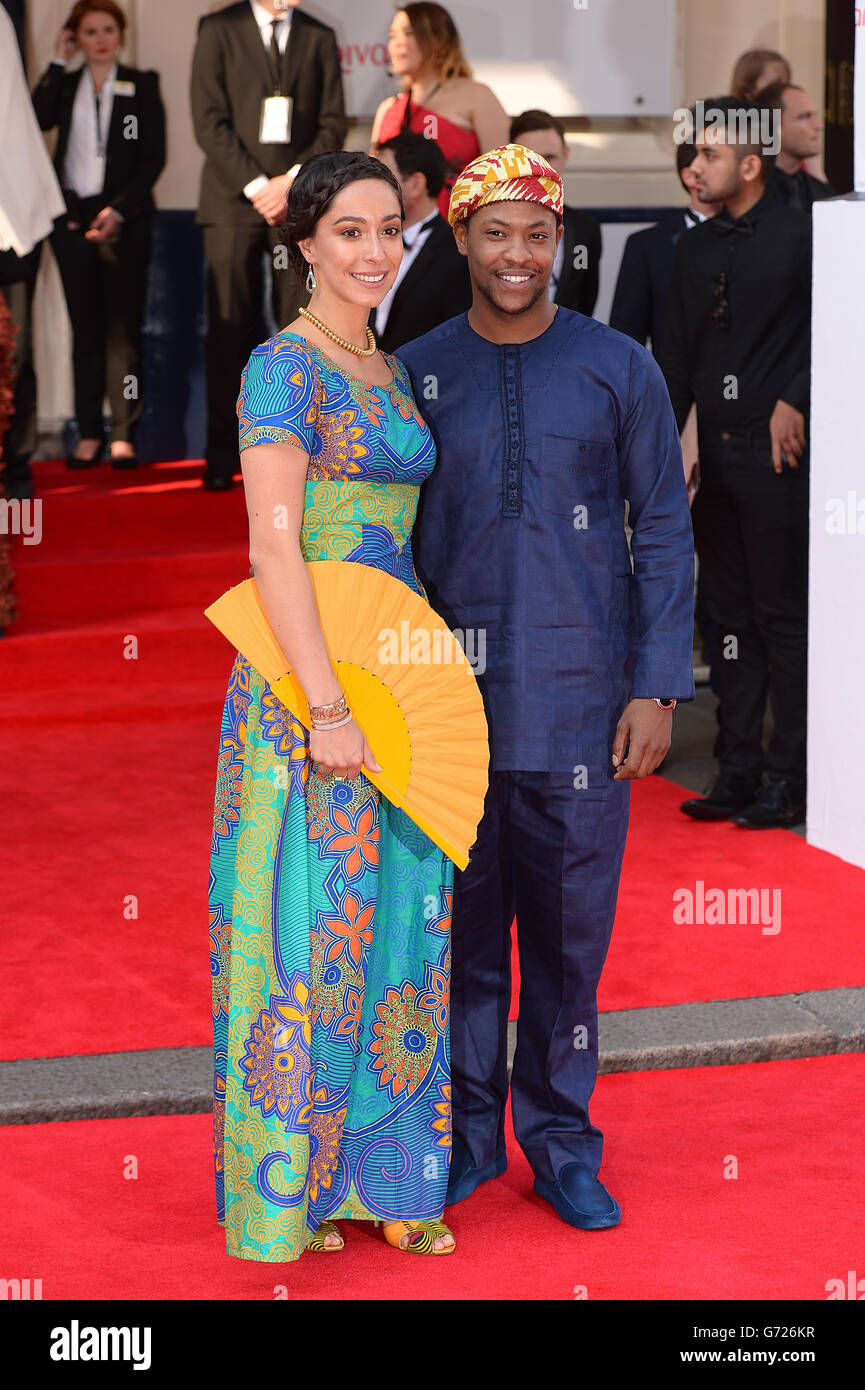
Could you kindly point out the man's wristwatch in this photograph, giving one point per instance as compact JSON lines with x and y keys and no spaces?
{"x":665,"y":704}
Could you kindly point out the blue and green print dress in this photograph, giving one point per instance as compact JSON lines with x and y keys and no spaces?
{"x":329,"y":908}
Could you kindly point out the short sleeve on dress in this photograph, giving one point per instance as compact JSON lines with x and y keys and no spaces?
{"x":400,"y":374}
{"x":278,"y":401}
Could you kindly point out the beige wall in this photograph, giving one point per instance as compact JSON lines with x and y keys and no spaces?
{"x":714,"y":34}
{"x":612,"y":163}
{"x":633,"y":166}
{"x":166,"y":38}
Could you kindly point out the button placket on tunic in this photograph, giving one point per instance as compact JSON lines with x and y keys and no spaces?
{"x":512,"y":497}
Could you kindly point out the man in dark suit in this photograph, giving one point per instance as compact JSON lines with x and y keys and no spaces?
{"x":639,"y":308}
{"x":640,"y":300}
{"x":801,"y":138}
{"x":266,"y":96}
{"x":432,"y":284}
{"x":574,"y":281}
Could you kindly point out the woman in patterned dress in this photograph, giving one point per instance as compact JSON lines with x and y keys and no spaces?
{"x":329,"y":907}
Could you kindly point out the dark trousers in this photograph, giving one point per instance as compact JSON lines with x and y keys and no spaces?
{"x":105,"y":285}
{"x":17,"y":283}
{"x":711,"y":638}
{"x":553,"y":854}
{"x":235,"y":290}
{"x":751,"y":533}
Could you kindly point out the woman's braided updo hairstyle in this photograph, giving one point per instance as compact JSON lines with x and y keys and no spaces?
{"x":314,"y":189}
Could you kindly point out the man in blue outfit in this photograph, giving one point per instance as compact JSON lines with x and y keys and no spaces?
{"x":545,"y":423}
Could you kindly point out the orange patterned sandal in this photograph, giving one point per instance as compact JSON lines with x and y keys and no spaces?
{"x":422,"y":1236}
{"x":316,"y":1240}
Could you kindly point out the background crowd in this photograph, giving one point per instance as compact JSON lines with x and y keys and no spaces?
{"x":266,"y":94}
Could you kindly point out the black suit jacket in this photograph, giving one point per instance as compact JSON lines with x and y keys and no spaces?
{"x":230,"y":77}
{"x":643,"y":286}
{"x":578,"y":289}
{"x":800,"y":190}
{"x":436,"y":288}
{"x":132,"y":165}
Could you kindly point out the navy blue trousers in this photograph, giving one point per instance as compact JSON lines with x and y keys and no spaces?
{"x":553,"y":854}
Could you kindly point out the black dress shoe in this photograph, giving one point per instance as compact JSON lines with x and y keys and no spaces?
{"x":217,"y":482}
{"x":124,"y":461}
{"x":779,"y":803}
{"x":729,"y":795}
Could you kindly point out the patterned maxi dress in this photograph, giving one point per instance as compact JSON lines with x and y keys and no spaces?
{"x":329,"y":908}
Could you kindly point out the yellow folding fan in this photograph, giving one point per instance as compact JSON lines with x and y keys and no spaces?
{"x":407,"y":682}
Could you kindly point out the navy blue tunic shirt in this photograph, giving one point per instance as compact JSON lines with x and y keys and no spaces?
{"x":520,"y":538}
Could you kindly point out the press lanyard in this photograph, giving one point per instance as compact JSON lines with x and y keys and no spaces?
{"x":100,"y":143}
{"x":275,"y":125}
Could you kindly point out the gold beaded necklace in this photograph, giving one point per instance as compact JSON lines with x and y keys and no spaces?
{"x":368,"y":351}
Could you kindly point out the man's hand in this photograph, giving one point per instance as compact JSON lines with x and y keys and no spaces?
{"x":270,"y":200}
{"x":103,"y":226}
{"x":787,"y":431}
{"x":646,"y":729}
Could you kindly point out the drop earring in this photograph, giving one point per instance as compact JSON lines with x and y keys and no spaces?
{"x":311,"y":283}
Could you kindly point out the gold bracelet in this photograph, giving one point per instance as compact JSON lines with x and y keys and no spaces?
{"x":327,"y":711}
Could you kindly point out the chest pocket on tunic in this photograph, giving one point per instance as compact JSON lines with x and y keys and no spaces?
{"x":574,"y":475}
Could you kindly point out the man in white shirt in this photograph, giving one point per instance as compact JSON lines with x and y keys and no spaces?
{"x":266,"y":94}
{"x":273,"y":18}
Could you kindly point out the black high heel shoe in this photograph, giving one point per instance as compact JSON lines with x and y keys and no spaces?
{"x":124,"y":461}
{"x":73,"y":462}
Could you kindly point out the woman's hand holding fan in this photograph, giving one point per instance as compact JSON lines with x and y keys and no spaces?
{"x":343,"y":751}
{"x":415,"y":702}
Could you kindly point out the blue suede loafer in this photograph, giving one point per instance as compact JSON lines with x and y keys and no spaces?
{"x":580,"y":1198}
{"x":464,"y":1177}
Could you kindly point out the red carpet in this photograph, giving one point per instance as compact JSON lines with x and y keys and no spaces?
{"x":110,"y":790}
{"x":115,"y":544}
{"x":792,"y":1220}
{"x":656,"y":960}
